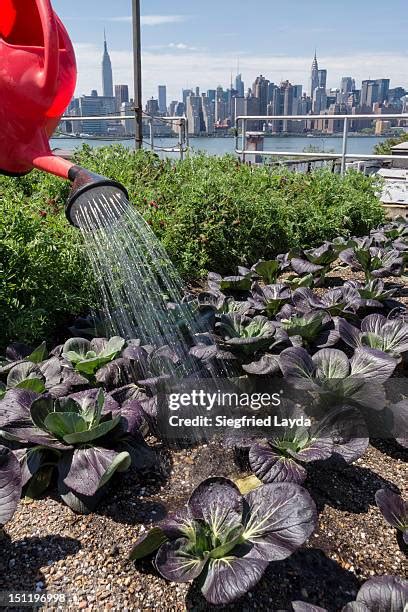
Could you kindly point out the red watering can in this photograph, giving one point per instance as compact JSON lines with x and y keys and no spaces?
{"x":37,"y":81}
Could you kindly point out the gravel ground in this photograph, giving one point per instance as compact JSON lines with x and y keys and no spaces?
{"x":48,"y":547}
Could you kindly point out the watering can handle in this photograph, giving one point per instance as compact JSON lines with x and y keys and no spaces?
{"x":48,"y":78}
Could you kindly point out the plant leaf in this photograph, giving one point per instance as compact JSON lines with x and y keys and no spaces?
{"x":10,"y":484}
{"x":147,"y":544}
{"x":231,"y":577}
{"x":280,"y":519}
{"x":270,"y":466}
{"x":63,"y":423}
{"x":219,"y":503}
{"x":85,"y":470}
{"x":177,"y":562}
{"x":82,"y":437}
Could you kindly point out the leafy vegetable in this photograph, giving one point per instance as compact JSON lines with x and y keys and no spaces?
{"x":311,"y":329}
{"x":331,"y":372}
{"x":87,"y":357}
{"x":232,"y":284}
{"x":241,"y":334}
{"x":335,"y":301}
{"x":394,"y":509}
{"x":268,"y":270}
{"x":377,"y":332}
{"x":370,"y":295}
{"x":86,"y":437}
{"x":226,"y":539}
{"x":373,"y":261}
{"x":315,"y":261}
{"x":270,"y":298}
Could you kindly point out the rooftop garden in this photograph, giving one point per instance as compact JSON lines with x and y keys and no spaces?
{"x":295,"y":283}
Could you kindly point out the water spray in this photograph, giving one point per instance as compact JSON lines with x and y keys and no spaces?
{"x":37,"y":81}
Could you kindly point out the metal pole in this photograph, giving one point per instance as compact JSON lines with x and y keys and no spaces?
{"x":151,"y":125}
{"x":181,"y":139}
{"x":137,"y":66}
{"x":244,"y":130}
{"x":344,"y":151}
{"x":187,"y":136}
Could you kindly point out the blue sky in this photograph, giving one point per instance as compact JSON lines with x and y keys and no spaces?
{"x":189,"y":43}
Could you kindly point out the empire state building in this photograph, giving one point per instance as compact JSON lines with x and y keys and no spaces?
{"x":107,"y":76}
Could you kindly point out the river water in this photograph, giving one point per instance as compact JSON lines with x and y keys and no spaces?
{"x":220,"y":146}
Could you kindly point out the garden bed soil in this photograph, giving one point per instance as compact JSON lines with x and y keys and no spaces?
{"x":49,"y":548}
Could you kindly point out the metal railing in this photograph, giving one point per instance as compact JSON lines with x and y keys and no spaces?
{"x":183,"y":140}
{"x":344,"y":155}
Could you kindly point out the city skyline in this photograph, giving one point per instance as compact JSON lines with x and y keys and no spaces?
{"x":214,"y":111}
{"x":188,"y":42}
{"x":318,"y":79}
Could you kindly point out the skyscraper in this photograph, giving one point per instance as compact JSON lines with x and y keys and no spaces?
{"x":187,"y":93}
{"x":162,"y":99}
{"x":314,"y":79}
{"x":383,"y":89}
{"x":208,"y":114}
{"x":107,"y":75}
{"x":322,"y":75}
{"x":347,"y":85}
{"x":319,"y":100}
{"x":239,"y":86}
{"x":121,"y":95}
{"x":260,"y":90}
{"x":369,"y":93}
{"x":196,"y":124}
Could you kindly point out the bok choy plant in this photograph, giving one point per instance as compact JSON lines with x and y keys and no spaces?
{"x":377,"y":332}
{"x":83,"y":439}
{"x":226,"y":540}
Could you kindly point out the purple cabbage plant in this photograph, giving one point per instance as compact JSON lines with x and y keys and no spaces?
{"x":83,"y":438}
{"x":379,"y":594}
{"x":226,"y":540}
{"x":270,"y":299}
{"x":340,"y":435}
{"x":87,"y":357}
{"x":371,"y":294}
{"x":231,"y":284}
{"x":331,"y":375}
{"x":377,"y":332}
{"x":268,"y":271}
{"x":373,"y":261}
{"x":10,"y":485}
{"x":313,"y":330}
{"x":316,"y":262}
{"x":394,"y":509}
{"x":21,"y":368}
{"x":244,"y":341}
{"x":336,"y":302}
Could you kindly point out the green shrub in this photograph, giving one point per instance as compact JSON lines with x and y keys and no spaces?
{"x":210,"y":213}
{"x":385,"y":148}
{"x":42,"y":277}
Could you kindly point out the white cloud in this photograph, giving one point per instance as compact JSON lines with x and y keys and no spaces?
{"x":182,"y":47}
{"x":179,"y":68}
{"x":153,"y":20}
